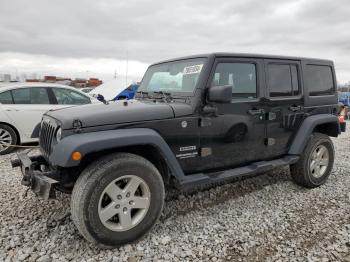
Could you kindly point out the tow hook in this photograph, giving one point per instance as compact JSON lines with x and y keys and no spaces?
{"x":26,"y":180}
{"x":39,"y":181}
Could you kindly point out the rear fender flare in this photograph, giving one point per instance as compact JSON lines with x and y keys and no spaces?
{"x":307,"y":127}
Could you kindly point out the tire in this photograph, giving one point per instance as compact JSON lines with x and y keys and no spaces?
{"x":7,"y":136}
{"x":312,"y":170}
{"x":96,"y":194}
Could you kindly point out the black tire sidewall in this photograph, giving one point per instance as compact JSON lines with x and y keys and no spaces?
{"x":108,"y":173}
{"x":13,"y":137}
{"x":325,"y":141}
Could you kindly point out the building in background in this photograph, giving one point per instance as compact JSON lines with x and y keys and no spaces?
{"x":6,"y":78}
{"x":50,"y":79}
{"x":78,"y":82}
{"x":64,"y":81}
{"x":93,"y":82}
{"x":31,"y":80}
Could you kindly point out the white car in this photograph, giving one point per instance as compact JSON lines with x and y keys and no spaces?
{"x":86,"y":90}
{"x":23,"y":104}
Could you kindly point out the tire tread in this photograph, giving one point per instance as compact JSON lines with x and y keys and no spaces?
{"x":299,"y":171}
{"x":88,"y":178}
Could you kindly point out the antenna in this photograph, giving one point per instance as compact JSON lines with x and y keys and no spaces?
{"x":127,"y":65}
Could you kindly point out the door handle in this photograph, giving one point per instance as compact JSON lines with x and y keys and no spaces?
{"x":294,"y":108}
{"x":255,"y":111}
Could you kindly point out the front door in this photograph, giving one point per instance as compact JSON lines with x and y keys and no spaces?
{"x":235,"y":135}
{"x":285,"y":106}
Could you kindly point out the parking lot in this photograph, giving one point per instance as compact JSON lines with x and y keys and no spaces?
{"x":267,"y":217}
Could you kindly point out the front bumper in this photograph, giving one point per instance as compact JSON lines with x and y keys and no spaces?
{"x":35,"y":175}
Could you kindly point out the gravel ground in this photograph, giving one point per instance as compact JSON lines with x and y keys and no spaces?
{"x":263,"y":218}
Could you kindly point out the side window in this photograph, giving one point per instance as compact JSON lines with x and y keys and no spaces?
{"x":6,"y":98}
{"x":21,"y":96}
{"x":33,"y":95}
{"x":242,"y":77}
{"x":319,"y":80}
{"x":283,"y":80}
{"x":39,"y":96}
{"x":70,"y":97}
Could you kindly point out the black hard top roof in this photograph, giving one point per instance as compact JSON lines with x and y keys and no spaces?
{"x":246,"y":55}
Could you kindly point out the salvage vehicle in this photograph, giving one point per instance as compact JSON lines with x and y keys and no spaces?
{"x":195,"y":121}
{"x":115,"y":89}
{"x":128,"y":93}
{"x":22,"y":106}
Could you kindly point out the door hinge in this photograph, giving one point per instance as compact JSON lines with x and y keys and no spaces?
{"x":205,"y":151}
{"x":271,"y":116}
{"x":270,"y":141}
{"x":205,"y":121}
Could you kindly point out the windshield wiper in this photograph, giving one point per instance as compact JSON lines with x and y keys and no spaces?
{"x":164,"y":95}
{"x":142,"y":93}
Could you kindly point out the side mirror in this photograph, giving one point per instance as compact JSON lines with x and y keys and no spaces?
{"x":101,"y":99}
{"x":220,"y":94}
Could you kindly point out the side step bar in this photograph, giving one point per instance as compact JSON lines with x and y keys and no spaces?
{"x":199,"y":179}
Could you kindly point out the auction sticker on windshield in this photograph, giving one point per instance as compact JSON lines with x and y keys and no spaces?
{"x":195,"y":69}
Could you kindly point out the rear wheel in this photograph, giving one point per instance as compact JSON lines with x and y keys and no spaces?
{"x":316,"y":162}
{"x":117,"y":199}
{"x":7,"y":137}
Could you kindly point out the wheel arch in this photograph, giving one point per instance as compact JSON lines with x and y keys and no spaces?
{"x":322,"y":123}
{"x":147,"y":151}
{"x":15,"y":130}
{"x":140,"y":141}
{"x":329,"y":128}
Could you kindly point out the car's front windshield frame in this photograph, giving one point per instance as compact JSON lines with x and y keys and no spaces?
{"x":153,"y":69}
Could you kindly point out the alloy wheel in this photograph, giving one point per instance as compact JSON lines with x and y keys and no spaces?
{"x":319,"y":161}
{"x":124,"y":203}
{"x":5,"y":139}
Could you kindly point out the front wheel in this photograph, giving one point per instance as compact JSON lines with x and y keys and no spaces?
{"x":315,"y":163}
{"x":117,"y":199}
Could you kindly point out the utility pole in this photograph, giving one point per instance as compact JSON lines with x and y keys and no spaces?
{"x":126,"y":69}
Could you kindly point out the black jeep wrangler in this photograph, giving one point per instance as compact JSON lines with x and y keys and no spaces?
{"x":195,"y":121}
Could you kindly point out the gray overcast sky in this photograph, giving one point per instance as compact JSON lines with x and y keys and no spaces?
{"x":72,"y":37}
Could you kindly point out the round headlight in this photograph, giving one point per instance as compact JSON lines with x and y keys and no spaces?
{"x":59,"y":135}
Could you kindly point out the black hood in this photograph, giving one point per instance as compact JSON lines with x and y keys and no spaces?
{"x":113,"y":113}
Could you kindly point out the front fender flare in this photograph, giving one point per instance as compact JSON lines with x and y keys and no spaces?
{"x":87,"y":143}
{"x":306,"y":129}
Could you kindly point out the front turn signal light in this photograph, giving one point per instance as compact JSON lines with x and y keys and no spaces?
{"x":76,"y":156}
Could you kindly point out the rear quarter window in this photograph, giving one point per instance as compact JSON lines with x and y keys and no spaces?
{"x":319,"y":80}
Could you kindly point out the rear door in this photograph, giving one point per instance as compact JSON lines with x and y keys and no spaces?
{"x":29,"y":105}
{"x":285,"y":106}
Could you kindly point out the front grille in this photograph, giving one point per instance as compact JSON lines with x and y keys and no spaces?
{"x":47,"y":133}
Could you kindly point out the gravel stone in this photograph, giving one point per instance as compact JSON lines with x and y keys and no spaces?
{"x":267,"y":218}
{"x":165,"y":240}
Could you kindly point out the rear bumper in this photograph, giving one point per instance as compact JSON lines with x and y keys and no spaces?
{"x":41,"y":182}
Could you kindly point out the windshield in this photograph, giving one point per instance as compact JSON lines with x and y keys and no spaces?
{"x":177,"y":76}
